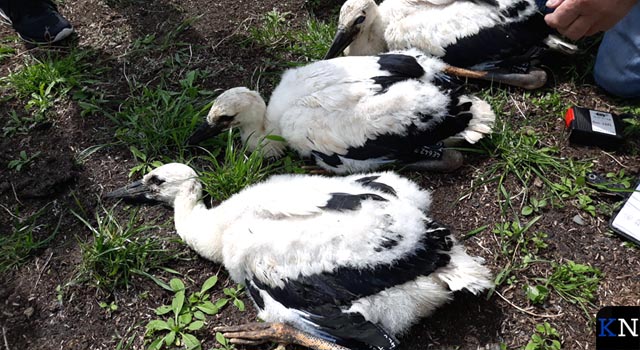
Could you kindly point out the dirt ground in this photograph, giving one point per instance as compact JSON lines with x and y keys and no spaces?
{"x":35,"y":315}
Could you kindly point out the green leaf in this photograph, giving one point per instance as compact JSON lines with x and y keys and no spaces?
{"x":170,"y":338}
{"x":163,"y":310}
{"x":221,"y":339}
{"x":527,"y":210}
{"x":178,"y":302}
{"x":156,"y":344}
{"x":530,"y":346}
{"x":221,"y":303}
{"x":195,"y":325}
{"x":185,"y":318}
{"x":209,"y":283}
{"x":239,"y":304}
{"x":208,"y":308}
{"x":475,"y":231}
{"x":199,"y":315}
{"x":176,"y":284}
{"x":275,"y":138}
{"x":138,"y":154}
{"x":156,"y":325}
{"x":190,"y":341}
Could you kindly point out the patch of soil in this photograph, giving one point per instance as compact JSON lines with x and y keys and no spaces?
{"x":40,"y":309}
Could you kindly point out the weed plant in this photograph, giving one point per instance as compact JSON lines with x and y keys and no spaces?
{"x":186,"y":315}
{"x":520,"y":155}
{"x":156,"y":122}
{"x":575,"y":283}
{"x":43,"y":81}
{"x":545,"y":338}
{"x":25,"y":238}
{"x":277,"y":36}
{"x":239,"y":168}
{"x":119,"y":250}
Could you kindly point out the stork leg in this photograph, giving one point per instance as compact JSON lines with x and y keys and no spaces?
{"x":536,"y":78}
{"x":450,"y":161}
{"x":257,"y":333}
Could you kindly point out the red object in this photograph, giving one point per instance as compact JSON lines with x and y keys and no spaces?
{"x":569,"y":117}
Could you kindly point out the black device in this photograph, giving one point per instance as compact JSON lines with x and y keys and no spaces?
{"x":626,"y":222}
{"x":594,"y":128}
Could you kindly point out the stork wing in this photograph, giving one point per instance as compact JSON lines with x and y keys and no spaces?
{"x":348,"y":101}
{"x":323,"y":299}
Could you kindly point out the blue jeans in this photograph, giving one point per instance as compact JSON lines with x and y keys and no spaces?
{"x":617,"y":68}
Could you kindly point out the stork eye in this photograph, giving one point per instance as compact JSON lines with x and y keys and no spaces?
{"x":359,"y":20}
{"x":155,"y":180}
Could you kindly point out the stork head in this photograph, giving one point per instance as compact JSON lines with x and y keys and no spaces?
{"x":237,"y":107}
{"x":356,"y":16}
{"x":162,"y":185}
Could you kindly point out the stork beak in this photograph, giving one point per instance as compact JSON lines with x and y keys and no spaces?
{"x":135,"y":193}
{"x":204,"y":132}
{"x":340,"y":42}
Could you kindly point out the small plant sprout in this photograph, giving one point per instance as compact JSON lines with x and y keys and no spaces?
{"x":537,"y":294}
{"x":22,"y":161}
{"x":544,"y":338}
{"x":234,"y":294}
{"x":109,"y":308}
{"x":535,"y":206}
{"x":224,"y":343}
{"x":186,"y":315}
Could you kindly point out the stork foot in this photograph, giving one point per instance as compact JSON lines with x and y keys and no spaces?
{"x":258,"y":333}
{"x":451,"y":160}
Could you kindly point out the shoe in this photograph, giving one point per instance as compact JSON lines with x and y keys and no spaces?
{"x":37,"y":22}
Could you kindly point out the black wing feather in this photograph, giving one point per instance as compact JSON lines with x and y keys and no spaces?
{"x":501,"y":41}
{"x":369,"y":181}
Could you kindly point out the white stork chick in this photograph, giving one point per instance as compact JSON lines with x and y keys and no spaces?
{"x":463,"y":33}
{"x":350,"y":261}
{"x":354,"y":114}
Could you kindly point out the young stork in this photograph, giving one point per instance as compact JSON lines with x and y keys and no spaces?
{"x":332,"y":263}
{"x":354,"y":114}
{"x":481,"y":34}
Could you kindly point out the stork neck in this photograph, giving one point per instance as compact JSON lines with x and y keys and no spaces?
{"x":254,"y":134}
{"x":196,"y":225}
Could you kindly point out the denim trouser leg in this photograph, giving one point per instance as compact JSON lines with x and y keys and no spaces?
{"x":617,"y":68}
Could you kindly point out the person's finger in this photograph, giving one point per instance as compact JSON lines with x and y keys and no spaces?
{"x":593,"y":30}
{"x":578,"y":28}
{"x":563,"y":16}
{"x":553,"y":3}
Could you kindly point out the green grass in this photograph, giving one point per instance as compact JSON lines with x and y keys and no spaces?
{"x":44,"y":82}
{"x":27,"y":236}
{"x":522,"y":156}
{"x":6,"y":52}
{"x":155,"y":122}
{"x":277,"y":36}
{"x":575,"y":283}
{"x":223,"y":176}
{"x":119,"y":250}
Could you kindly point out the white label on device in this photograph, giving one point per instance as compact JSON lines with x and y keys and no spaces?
{"x":628,"y":219}
{"x":602,"y":122}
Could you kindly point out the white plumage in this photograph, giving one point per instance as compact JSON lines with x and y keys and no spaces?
{"x":355,"y":114}
{"x":353,"y":260}
{"x":462,"y":32}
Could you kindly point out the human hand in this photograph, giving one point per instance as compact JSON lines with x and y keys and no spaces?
{"x":577,"y":18}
